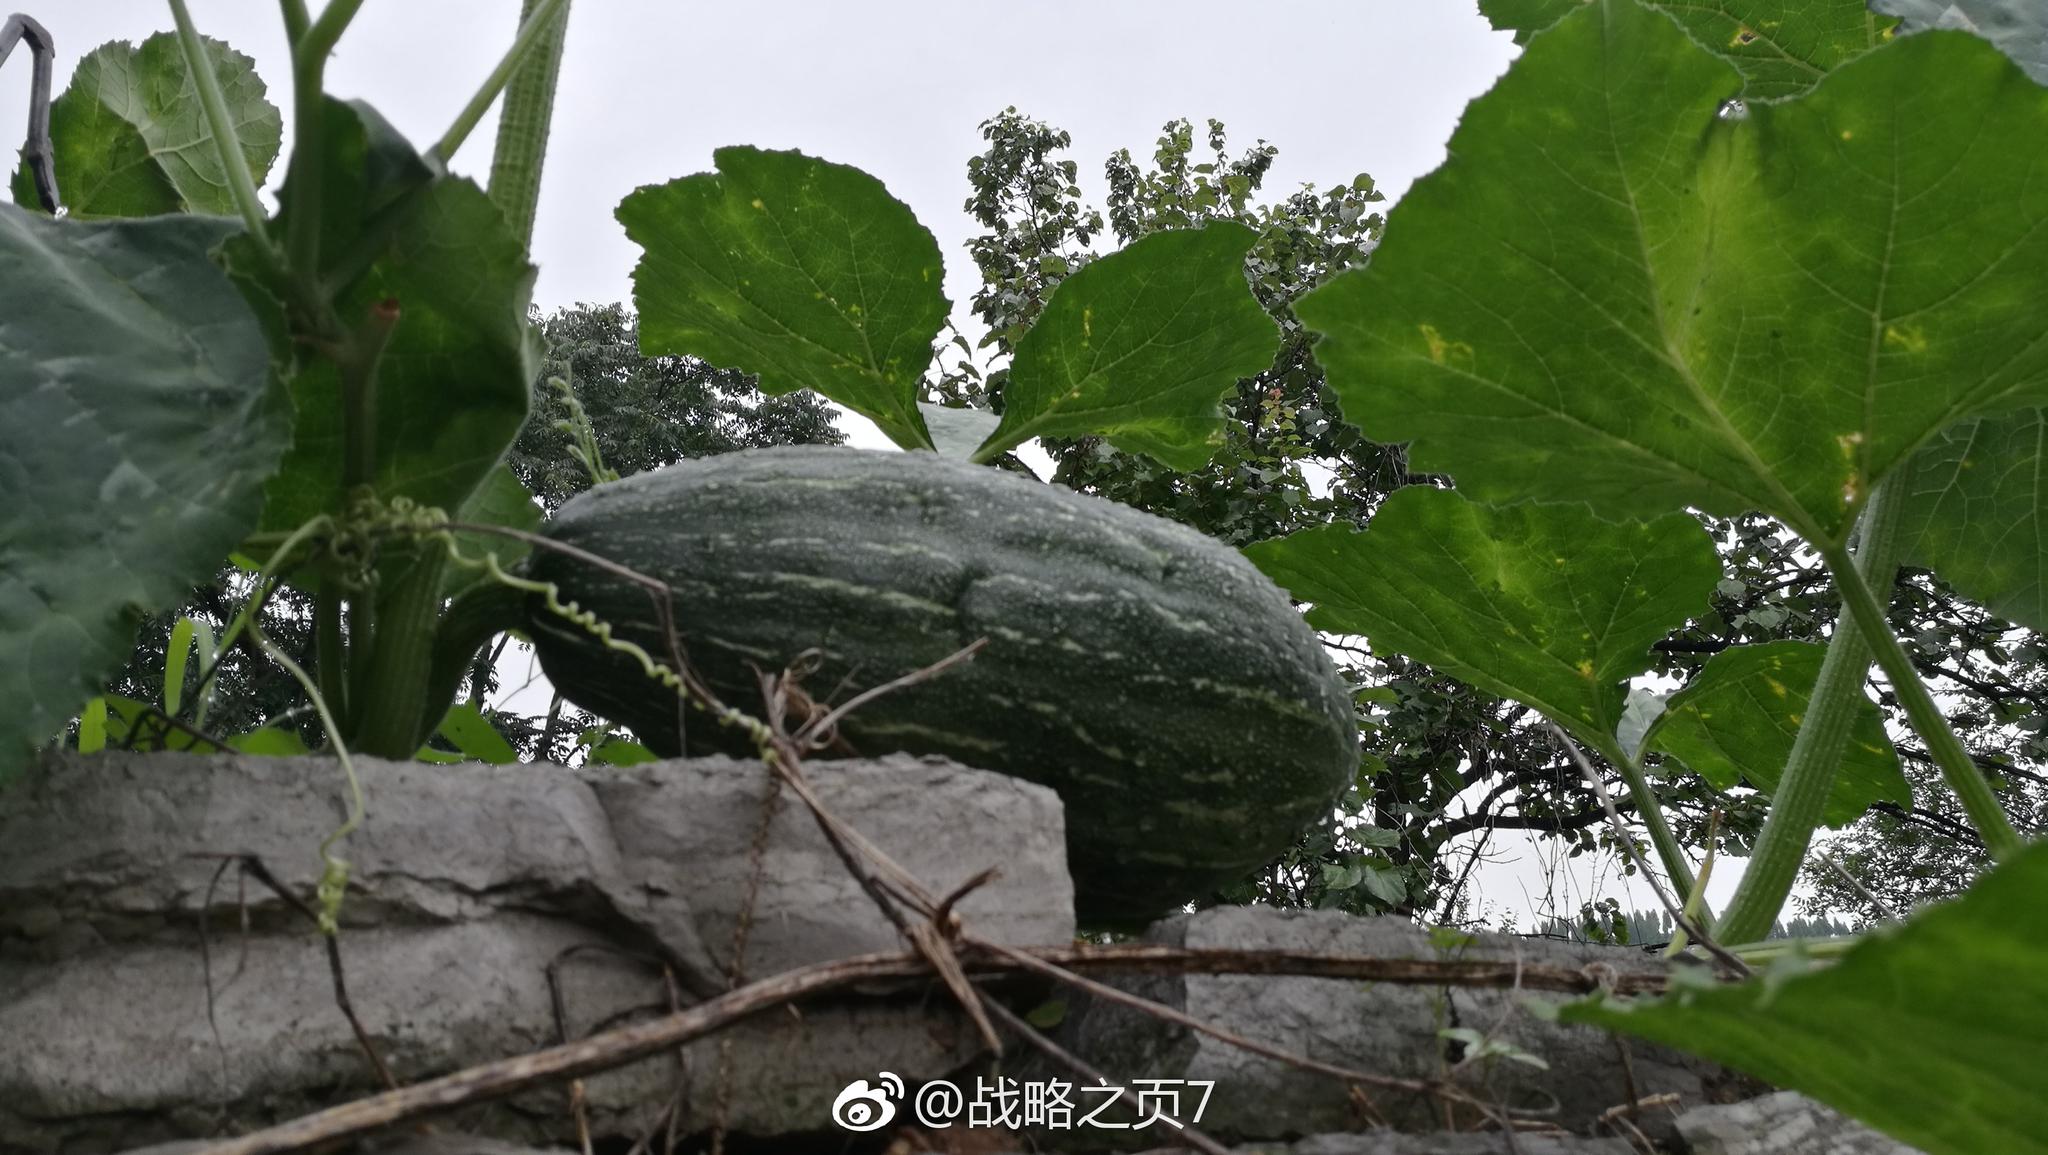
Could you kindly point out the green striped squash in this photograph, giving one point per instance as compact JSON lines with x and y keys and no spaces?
{"x":1187,"y":716}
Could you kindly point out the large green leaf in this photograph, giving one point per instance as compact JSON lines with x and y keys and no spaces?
{"x":1736,"y":720}
{"x":1935,"y":1031}
{"x":137,"y":425}
{"x":1614,"y":292}
{"x":1976,"y":501}
{"x":1525,"y":18}
{"x":2018,"y":27}
{"x":131,"y":139}
{"x":455,"y":377}
{"x":1545,"y":604}
{"x":502,"y":500}
{"x":465,"y":728}
{"x":1782,"y":49}
{"x":804,"y":272}
{"x":1141,"y":345}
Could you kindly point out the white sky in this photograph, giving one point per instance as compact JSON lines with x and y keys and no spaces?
{"x":899,"y":88}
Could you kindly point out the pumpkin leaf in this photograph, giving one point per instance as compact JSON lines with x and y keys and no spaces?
{"x":1525,"y":18}
{"x":454,"y":382}
{"x":804,"y":272}
{"x":2018,"y":27}
{"x":1616,"y":293}
{"x":130,"y":139}
{"x":465,"y":728}
{"x":502,"y":500}
{"x":1545,"y":604}
{"x":269,"y":742}
{"x":616,"y":751}
{"x":1976,"y":502}
{"x":1949,"y":1008}
{"x":1782,"y":50}
{"x":1140,"y":346}
{"x":138,"y":422}
{"x":1736,"y":721}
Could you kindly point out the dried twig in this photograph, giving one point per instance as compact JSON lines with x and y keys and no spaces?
{"x":1058,"y":1054}
{"x":1628,"y":843}
{"x":627,"y":1044}
{"x":1030,"y":962}
{"x":250,"y":866}
{"x":818,"y":732}
{"x":1827,"y":857}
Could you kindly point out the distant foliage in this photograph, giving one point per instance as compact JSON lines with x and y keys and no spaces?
{"x":647,"y":412}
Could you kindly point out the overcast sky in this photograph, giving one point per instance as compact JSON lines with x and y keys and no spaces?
{"x":896,"y":87}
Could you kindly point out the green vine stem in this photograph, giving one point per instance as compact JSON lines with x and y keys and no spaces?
{"x":309,"y":130}
{"x":1802,"y":793}
{"x":334,"y":873}
{"x":241,"y":184}
{"x":358,"y":361}
{"x":296,"y":21}
{"x":475,"y":616}
{"x":531,"y":32}
{"x":387,"y":690}
{"x":330,"y":651}
{"x":1960,"y":771}
{"x":523,"y":125}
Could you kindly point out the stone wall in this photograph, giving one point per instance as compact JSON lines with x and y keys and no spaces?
{"x":149,"y":997}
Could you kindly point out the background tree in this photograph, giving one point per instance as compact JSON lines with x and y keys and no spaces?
{"x":647,"y":412}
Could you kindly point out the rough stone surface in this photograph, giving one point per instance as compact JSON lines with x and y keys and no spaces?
{"x":1786,"y":1123}
{"x":1386,"y":1029}
{"x":466,"y":884}
{"x":684,"y":832}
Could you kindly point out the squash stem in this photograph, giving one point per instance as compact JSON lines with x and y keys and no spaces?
{"x":330,"y":653}
{"x":241,"y":184}
{"x":523,"y":124}
{"x":391,"y":698}
{"x":1957,"y":767}
{"x":531,"y":34}
{"x":1802,"y":794}
{"x":309,"y":135}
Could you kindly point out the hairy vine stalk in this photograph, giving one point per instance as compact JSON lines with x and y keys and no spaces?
{"x":524,"y":122}
{"x":1802,"y":792}
{"x":199,"y":63}
{"x":535,"y":31}
{"x":1957,"y":767}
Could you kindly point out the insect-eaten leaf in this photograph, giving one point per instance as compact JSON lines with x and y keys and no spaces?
{"x":1683,"y":308}
{"x":1735,"y":723}
{"x":130,"y":139}
{"x":1545,"y":604}
{"x":138,"y":423}
{"x":1915,"y":1022}
{"x":804,"y":272}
